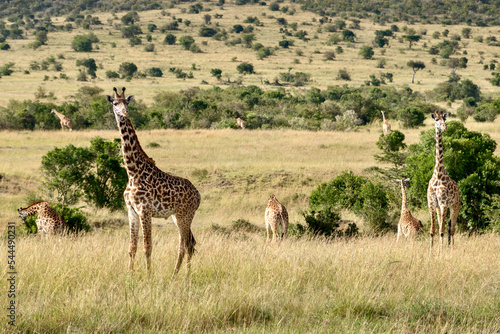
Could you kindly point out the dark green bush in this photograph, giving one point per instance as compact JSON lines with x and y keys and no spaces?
{"x":411,"y":117}
{"x":245,"y":68}
{"x":94,"y":173}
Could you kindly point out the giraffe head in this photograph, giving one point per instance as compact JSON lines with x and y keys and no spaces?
{"x":405,"y":182}
{"x":120,"y":103}
{"x":439,"y":120}
{"x":22,"y":214}
{"x":52,"y":111}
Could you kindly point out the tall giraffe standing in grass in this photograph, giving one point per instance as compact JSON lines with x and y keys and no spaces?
{"x":65,"y":121}
{"x":442,"y":192}
{"x":275,"y":216}
{"x":408,"y":225}
{"x":386,"y":127}
{"x":151,"y":192}
{"x":48,"y":222}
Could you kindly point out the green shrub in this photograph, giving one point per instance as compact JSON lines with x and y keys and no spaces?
{"x":154,"y":72}
{"x":94,"y":173}
{"x":355,"y":193}
{"x":127,"y":69}
{"x":170,"y":39}
{"x":82,"y":43}
{"x":245,"y":68}
{"x":324,"y":222}
{"x":186,"y":41}
{"x":411,"y":117}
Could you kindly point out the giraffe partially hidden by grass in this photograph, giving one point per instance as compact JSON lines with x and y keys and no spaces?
{"x":442,"y":192}
{"x":386,"y":127}
{"x":48,"y":222}
{"x":65,"y":121}
{"x":275,"y":216}
{"x":151,"y":192}
{"x":408,"y":225}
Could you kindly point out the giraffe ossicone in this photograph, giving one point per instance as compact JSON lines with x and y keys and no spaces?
{"x":151,"y":192}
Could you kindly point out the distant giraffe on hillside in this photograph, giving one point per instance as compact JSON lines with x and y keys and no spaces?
{"x":241,"y":123}
{"x":275,"y":216}
{"x":386,"y":127}
{"x":408,"y":225}
{"x":65,"y":121}
{"x":48,"y":222}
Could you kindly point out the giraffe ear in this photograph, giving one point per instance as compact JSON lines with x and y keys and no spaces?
{"x":109,"y":98}
{"x":129,"y":98}
{"x":433,"y":116}
{"x":445,"y":115}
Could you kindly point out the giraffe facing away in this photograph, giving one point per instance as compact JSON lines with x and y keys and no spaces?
{"x":408,"y":225}
{"x":65,"y":121}
{"x":442,"y":192}
{"x":241,"y":123}
{"x":386,"y":127}
{"x":48,"y":222}
{"x":151,"y":192}
{"x":275,"y":216}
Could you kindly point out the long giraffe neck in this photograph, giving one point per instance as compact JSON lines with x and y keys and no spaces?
{"x":33,"y":208}
{"x":403,"y":192}
{"x":439,"y":168}
{"x":61,"y":116}
{"x":383,"y":117}
{"x":134,"y":157}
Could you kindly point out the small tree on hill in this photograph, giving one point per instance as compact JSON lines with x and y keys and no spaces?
{"x":128,"y":69}
{"x":415,"y":66}
{"x":186,"y":41}
{"x":366,"y":52}
{"x":411,"y":39}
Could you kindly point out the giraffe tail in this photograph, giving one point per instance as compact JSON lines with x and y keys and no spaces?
{"x":191,"y":243}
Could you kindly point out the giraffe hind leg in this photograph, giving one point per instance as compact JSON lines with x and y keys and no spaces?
{"x":186,"y":240}
{"x":134,"y":235}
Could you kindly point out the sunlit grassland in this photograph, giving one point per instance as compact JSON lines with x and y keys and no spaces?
{"x":234,"y":170}
{"x":216,"y":54}
{"x":238,"y":284}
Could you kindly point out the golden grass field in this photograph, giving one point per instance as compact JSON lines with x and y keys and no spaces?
{"x":216,"y":54}
{"x":237,"y":282}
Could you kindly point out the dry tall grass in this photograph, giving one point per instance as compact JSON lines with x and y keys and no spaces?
{"x":238,"y":284}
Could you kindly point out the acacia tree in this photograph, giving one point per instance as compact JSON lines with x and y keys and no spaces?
{"x":415,"y":66}
{"x":412,"y":39}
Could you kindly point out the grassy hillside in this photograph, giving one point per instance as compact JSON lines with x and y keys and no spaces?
{"x":304,"y":56}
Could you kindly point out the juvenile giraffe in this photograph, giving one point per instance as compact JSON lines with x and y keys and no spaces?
{"x":408,"y":225}
{"x":241,"y":123}
{"x":276,"y":215}
{"x":65,"y":121}
{"x":48,"y":221}
{"x":442,"y":192}
{"x":386,"y":127}
{"x":151,"y":192}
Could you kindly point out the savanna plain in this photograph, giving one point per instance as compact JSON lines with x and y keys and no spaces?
{"x":238,"y":282}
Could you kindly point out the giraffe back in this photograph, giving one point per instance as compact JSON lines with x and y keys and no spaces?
{"x":275,"y":215}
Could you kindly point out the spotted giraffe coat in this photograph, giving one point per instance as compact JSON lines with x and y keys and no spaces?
{"x":275,"y":216}
{"x":48,"y":221}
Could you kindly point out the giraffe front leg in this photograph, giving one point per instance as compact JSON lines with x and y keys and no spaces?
{"x":432,"y":211}
{"x":133,"y":219}
{"x":268,"y":229}
{"x":399,"y":232}
{"x":454,"y":210}
{"x":146,"y":230}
